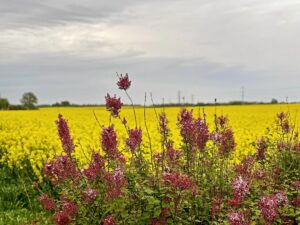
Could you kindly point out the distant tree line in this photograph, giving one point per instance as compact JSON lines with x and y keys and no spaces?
{"x":28,"y":101}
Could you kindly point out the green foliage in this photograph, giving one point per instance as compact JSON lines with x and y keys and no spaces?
{"x":18,"y":199}
{"x":29,"y":100}
{"x":4,"y":103}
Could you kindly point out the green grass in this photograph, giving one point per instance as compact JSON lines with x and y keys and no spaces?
{"x":18,"y":199}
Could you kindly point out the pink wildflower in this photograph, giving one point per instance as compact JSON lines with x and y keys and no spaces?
{"x":173,"y":155}
{"x":47,"y":203}
{"x":201,"y":133}
{"x":135,"y":139}
{"x":163,"y":125}
{"x":90,"y":195}
{"x":64,"y":135}
{"x":237,"y":218}
{"x":95,"y":167}
{"x":124,"y":82}
{"x":115,"y":183}
{"x":226,"y":142}
{"x":187,"y":126}
{"x":296,"y":201}
{"x":296,"y":184}
{"x":240,"y":187}
{"x":109,"y":220}
{"x":109,"y":142}
{"x":281,"y":198}
{"x":60,"y":169}
{"x":268,"y":207}
{"x":113,"y":104}
{"x":177,"y":181}
{"x":261,"y":148}
{"x":61,"y":218}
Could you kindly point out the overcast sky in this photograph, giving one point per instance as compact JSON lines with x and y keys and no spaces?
{"x":72,"y":49}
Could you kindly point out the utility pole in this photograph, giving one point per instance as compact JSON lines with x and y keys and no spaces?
{"x":192,"y":99}
{"x":179,"y":97}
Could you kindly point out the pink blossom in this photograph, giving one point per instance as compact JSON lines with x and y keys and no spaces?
{"x":261,"y":148}
{"x":47,"y":203}
{"x":115,"y":182}
{"x":69,"y":207}
{"x":60,"y":169}
{"x":187,"y":126}
{"x":281,"y":198}
{"x":225,"y":141}
{"x":90,"y":195}
{"x":109,"y":220}
{"x":240,"y":187}
{"x":95,"y":167}
{"x":245,"y":168}
{"x":269,"y":207}
{"x":61,"y":218}
{"x":113,"y":105}
{"x":237,"y":218}
{"x":221,"y":121}
{"x":135,"y":139}
{"x":296,"y":201}
{"x":296,"y":184}
{"x":109,"y":142}
{"x":163,"y":124}
{"x":177,"y":181}
{"x":124,"y":82}
{"x":173,"y":155}
{"x":201,"y":133}
{"x":64,"y":135}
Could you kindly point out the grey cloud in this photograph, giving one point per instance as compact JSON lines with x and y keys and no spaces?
{"x":67,"y":49}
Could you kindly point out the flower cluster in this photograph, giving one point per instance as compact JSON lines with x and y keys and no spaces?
{"x":115,"y":182}
{"x":283,"y":122}
{"x":296,"y":184}
{"x":66,"y":214}
{"x":224,"y":139}
{"x":245,"y":168}
{"x":238,"y":218}
{"x":95,"y":167}
{"x":177,"y":181}
{"x":64,"y":135}
{"x":197,"y":182}
{"x":163,"y":125}
{"x":47,"y":203}
{"x":135,"y":139}
{"x":124,"y":82}
{"x":60,"y":169}
{"x":240,"y":187}
{"x":113,"y":105}
{"x":109,"y":142}
{"x":187,"y":126}
{"x":90,"y":195}
{"x":162,"y":220}
{"x":261,"y":148}
{"x":202,"y":133}
{"x":173,"y":155}
{"x":194,"y":131}
{"x":268,"y":206}
{"x":109,"y":220}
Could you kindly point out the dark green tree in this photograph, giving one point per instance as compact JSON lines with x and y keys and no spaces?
{"x":29,"y":100}
{"x":274,"y":101}
{"x":4,"y":103}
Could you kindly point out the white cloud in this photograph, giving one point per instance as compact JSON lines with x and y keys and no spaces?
{"x":237,"y":42}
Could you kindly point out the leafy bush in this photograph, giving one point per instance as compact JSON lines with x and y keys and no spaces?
{"x":196,"y":184}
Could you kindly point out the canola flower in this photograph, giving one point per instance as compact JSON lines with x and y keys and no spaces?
{"x":31,"y":136}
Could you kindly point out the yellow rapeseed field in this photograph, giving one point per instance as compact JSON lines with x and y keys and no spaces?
{"x":32,"y":135}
